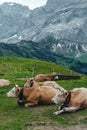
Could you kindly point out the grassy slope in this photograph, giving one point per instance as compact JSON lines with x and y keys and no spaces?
{"x":29,"y":49}
{"x":15,"y":117}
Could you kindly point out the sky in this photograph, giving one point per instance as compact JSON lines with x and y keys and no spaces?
{"x":31,"y":3}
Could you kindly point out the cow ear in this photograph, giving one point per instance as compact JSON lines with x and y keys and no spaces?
{"x":18,"y":89}
{"x":32,"y":82}
{"x":32,"y":79}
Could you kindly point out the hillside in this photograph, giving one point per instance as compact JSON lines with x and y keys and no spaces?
{"x":11,"y":67}
{"x":46,"y":51}
{"x":16,"y":117}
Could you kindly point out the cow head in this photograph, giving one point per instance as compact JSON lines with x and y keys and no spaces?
{"x":55,"y":76}
{"x":14,"y":92}
{"x":29,"y":82}
{"x":59,"y":97}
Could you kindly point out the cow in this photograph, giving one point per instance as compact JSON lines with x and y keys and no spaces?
{"x":4,"y":82}
{"x":70,"y":101}
{"x":31,"y":83}
{"x":31,"y":96}
{"x":46,"y":77}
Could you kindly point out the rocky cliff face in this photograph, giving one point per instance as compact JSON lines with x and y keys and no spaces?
{"x":61,"y":19}
{"x":13,"y":20}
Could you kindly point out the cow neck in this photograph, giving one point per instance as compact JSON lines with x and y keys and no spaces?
{"x":21,"y":94}
{"x":67,"y":100}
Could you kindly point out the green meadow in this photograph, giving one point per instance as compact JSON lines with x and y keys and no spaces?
{"x":15,"y":117}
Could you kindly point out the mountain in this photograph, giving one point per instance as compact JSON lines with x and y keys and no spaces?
{"x":13,"y":20}
{"x":64,"y":19}
{"x":55,"y":18}
{"x":55,"y":32}
{"x":52,"y":4}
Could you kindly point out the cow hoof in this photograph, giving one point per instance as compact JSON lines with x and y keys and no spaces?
{"x":55,"y":113}
{"x":26,"y":105}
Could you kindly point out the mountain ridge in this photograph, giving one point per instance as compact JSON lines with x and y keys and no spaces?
{"x":41,"y":22}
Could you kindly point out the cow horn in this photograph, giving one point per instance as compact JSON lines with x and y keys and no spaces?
{"x":16,"y":85}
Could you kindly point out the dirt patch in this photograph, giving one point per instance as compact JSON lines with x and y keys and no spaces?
{"x":75,"y":127}
{"x":44,"y":126}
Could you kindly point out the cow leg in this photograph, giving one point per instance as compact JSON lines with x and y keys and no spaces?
{"x":30,"y":104}
{"x":70,"y":109}
{"x":32,"y":101}
{"x":58,"y":112}
{"x":66,"y":109}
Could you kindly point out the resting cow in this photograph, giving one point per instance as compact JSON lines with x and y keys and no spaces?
{"x":31,"y":96}
{"x":46,"y":77}
{"x":31,"y":83}
{"x":4,"y":82}
{"x":70,"y":101}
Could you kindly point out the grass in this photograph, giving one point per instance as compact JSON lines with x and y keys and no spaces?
{"x":15,"y":117}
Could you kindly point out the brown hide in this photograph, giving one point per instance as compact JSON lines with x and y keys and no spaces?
{"x":39,"y":95}
{"x":32,"y":83}
{"x":71,"y":101}
{"x":45,"y":77}
{"x":78,"y":99}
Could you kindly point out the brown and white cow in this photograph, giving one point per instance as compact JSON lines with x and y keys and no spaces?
{"x":31,"y":96}
{"x":70,"y":101}
{"x":31,"y":83}
{"x":46,"y":77}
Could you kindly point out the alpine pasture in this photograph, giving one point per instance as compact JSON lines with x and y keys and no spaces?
{"x":16,"y":117}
